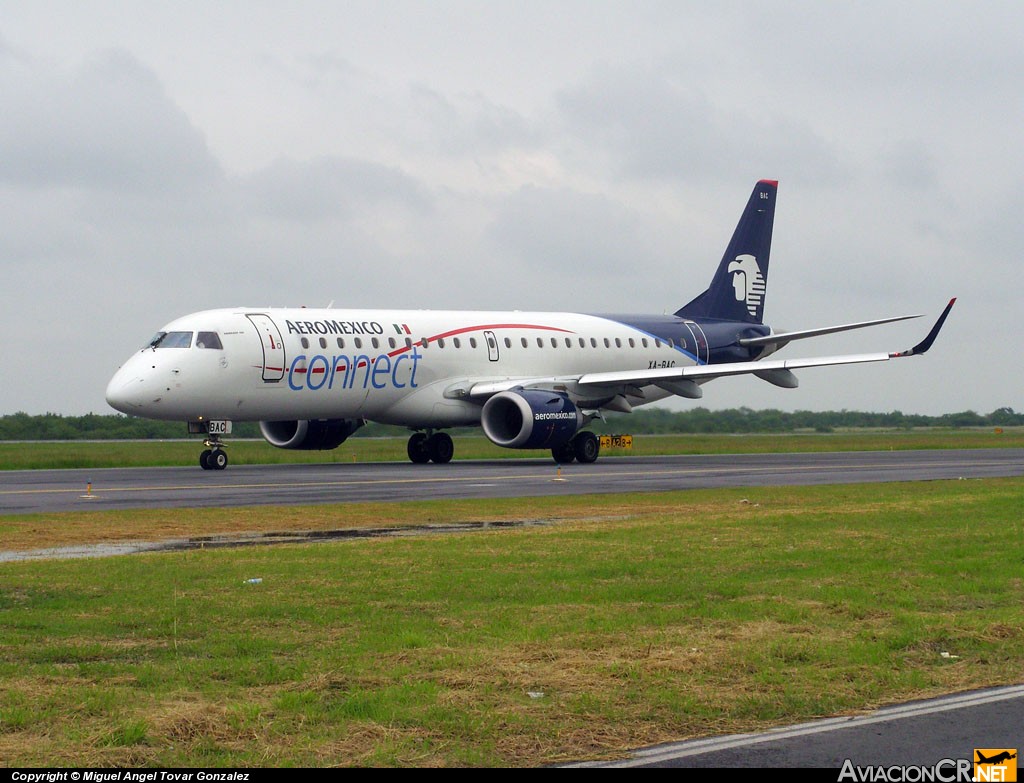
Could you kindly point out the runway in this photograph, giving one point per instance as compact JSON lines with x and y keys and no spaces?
{"x":53,"y":491}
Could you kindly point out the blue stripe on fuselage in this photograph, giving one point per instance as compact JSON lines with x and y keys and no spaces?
{"x":721,"y":336}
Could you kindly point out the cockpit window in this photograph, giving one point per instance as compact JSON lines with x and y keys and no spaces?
{"x":171,"y":340}
{"x":208,"y":340}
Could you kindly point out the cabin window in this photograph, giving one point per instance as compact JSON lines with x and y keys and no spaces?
{"x":305,"y":342}
{"x":171,"y":340}
{"x":593,"y":342}
{"x":391,"y":342}
{"x":424,"y":342}
{"x":456,"y":342}
{"x":209,"y":340}
{"x":643,"y":341}
{"x":376,"y":342}
{"x":618,"y":343}
{"x":607,"y":343}
{"x":632,"y":343}
{"x":508,"y":343}
{"x":358,"y":342}
{"x":440,"y":342}
{"x":323,"y":342}
{"x":540,"y":343}
{"x":583,"y":343}
{"x":341,"y":343}
{"x":472,"y":342}
{"x":525,"y":343}
{"x":554,"y":343}
{"x":408,"y":342}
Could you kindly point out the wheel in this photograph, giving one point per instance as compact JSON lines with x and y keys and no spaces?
{"x":587,"y":447}
{"x":204,"y":460}
{"x":417,"y":448}
{"x":441,"y":448}
{"x":564,"y":454}
{"x":218,"y":460}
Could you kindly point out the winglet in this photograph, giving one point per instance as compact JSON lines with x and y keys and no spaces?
{"x":926,"y":343}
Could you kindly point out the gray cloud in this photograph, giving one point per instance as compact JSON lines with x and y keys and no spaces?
{"x":328,"y":187}
{"x":108,"y":125}
{"x":551,"y":159}
{"x":654,"y":125}
{"x":565,"y":234}
{"x":471,"y":124}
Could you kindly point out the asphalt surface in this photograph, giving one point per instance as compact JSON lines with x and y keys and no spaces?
{"x":934,"y":733}
{"x":50,"y":491}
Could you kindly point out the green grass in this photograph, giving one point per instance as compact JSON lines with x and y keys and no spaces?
{"x":104,"y":454}
{"x":629,"y":619}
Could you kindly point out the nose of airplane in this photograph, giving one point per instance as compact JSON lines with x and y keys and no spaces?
{"x":126,"y":391}
{"x":119,"y":392}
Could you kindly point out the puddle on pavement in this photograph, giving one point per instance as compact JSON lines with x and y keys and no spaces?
{"x":258,"y":539}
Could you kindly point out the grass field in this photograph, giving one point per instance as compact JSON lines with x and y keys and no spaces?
{"x":103,"y":454}
{"x":622,"y":620}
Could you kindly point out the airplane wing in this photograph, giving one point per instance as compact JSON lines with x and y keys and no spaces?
{"x":683,"y":380}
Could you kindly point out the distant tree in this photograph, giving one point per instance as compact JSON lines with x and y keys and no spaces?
{"x":52,"y":426}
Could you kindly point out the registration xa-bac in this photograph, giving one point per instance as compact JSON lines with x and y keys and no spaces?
{"x":532,"y":380}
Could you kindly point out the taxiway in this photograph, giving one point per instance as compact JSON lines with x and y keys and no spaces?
{"x":51,"y":491}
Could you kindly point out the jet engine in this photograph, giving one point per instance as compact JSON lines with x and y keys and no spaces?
{"x":309,"y":435}
{"x":530,"y":419}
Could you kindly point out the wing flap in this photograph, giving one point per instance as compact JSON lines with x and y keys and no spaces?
{"x":710,"y":371}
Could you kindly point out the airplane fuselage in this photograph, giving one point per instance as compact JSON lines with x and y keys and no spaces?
{"x":408,"y":367}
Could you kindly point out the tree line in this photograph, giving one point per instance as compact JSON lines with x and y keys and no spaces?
{"x":92,"y":426}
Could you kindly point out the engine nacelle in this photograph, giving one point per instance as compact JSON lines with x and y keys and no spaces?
{"x":309,"y":435}
{"x":530,"y":419}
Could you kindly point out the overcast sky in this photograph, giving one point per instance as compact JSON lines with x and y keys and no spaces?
{"x":162,"y":158}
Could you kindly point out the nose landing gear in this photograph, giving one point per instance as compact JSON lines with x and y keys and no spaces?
{"x":214,"y":458}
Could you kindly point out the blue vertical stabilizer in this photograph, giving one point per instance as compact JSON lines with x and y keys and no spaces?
{"x":738,"y":289}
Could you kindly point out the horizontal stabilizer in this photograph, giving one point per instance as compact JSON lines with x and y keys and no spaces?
{"x":781,"y":338}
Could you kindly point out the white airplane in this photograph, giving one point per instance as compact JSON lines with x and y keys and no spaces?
{"x":532,"y":380}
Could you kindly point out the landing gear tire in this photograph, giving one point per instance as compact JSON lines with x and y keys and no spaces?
{"x":564,"y":454}
{"x":440,"y":448}
{"x":417,"y":448}
{"x":586,"y":447}
{"x":213,"y":459}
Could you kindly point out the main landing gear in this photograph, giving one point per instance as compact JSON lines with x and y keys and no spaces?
{"x":584,"y":447}
{"x":214,"y":457}
{"x":437,"y":447}
{"x":433,"y":447}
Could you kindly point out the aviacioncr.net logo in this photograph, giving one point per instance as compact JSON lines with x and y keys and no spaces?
{"x":995,"y":764}
{"x":748,"y":281}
